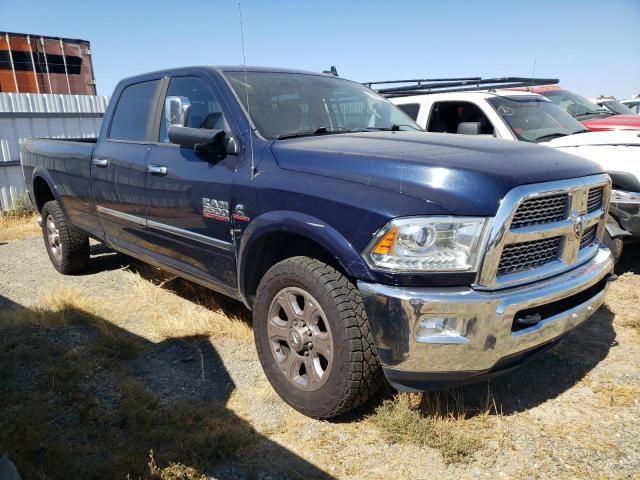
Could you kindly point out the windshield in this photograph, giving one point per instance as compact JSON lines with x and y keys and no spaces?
{"x":616,"y":107}
{"x":575,"y":105}
{"x":294,"y":104}
{"x":535,"y":119}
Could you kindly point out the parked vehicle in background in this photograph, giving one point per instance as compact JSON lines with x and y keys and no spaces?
{"x":592,"y":116}
{"x":524,"y":116}
{"x":363,"y":245}
{"x":612,"y":105}
{"x":633,"y":104}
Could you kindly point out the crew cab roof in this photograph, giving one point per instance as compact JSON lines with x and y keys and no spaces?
{"x":219,"y":68}
{"x":242,"y":68}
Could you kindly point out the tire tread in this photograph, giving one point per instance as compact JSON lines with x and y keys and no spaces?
{"x":363,"y":371}
{"x":75,"y":243}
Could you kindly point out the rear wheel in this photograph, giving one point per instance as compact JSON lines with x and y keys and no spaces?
{"x":68,"y":247}
{"x":313,"y":338}
{"x":615,"y":244}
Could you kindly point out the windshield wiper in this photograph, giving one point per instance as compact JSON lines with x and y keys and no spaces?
{"x":394,"y":128}
{"x":594,"y":112}
{"x":317,"y":131}
{"x":549,"y":136}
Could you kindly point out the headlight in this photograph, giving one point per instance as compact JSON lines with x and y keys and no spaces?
{"x":427,"y":245}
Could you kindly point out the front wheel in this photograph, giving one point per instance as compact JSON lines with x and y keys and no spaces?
{"x":313,"y":338}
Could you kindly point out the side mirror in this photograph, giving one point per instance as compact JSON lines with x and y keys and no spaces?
{"x":469,"y":128}
{"x":176,"y":111}
{"x":203,"y":139}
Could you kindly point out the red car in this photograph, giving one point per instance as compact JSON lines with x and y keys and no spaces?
{"x":591,"y":115}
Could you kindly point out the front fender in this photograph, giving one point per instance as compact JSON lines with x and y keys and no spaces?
{"x":306,"y":226}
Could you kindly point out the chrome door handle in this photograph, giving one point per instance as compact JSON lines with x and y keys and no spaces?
{"x":157,"y":169}
{"x":100,"y":162}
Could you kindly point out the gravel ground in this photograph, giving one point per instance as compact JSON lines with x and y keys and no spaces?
{"x":574,"y":413}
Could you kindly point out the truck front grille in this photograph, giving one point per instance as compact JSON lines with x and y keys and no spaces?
{"x":537,"y":211}
{"x":588,"y":236}
{"x":545,"y":229}
{"x":523,"y":256}
{"x":594,"y":201}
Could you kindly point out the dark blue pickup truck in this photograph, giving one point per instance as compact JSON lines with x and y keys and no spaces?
{"x":365,"y":247}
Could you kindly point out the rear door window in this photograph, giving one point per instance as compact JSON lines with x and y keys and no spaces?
{"x":134,"y":112}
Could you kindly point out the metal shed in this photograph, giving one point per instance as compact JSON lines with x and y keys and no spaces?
{"x":24,"y":115}
{"x":42,"y":64}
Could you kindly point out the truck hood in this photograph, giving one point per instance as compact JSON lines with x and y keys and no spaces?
{"x":462,"y":174}
{"x":617,"y":137}
{"x":614,"y":122}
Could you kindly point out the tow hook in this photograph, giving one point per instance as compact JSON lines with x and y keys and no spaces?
{"x":531,"y":319}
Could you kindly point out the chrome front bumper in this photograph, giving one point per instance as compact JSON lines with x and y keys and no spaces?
{"x":485,"y":339}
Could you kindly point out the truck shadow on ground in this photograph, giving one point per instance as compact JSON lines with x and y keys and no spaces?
{"x":82,"y":398}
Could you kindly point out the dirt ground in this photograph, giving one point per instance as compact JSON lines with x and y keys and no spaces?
{"x":126,"y":371}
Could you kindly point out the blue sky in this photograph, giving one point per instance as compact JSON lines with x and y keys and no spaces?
{"x":592,"y":46}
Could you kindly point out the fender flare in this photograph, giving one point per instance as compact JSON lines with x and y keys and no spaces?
{"x":306,"y":226}
{"x":41,"y":172}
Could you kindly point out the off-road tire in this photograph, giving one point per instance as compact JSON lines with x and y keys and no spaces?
{"x":615,"y":244}
{"x":74,"y":244}
{"x":356,"y":374}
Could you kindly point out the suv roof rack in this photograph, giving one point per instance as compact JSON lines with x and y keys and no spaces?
{"x":461,"y":84}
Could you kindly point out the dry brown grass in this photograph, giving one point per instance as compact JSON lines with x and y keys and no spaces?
{"x":438,"y":420}
{"x":63,"y":306}
{"x":623,"y":299}
{"x":167,"y":315}
{"x":18,"y":226}
{"x":617,"y":395}
{"x":99,"y":421}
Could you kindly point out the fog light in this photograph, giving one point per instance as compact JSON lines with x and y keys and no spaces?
{"x":441,"y":330}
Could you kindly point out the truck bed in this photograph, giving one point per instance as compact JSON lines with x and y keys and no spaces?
{"x":66,"y":163}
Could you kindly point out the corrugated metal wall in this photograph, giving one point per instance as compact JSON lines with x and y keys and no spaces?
{"x":52,"y":103}
{"x":25,"y":115}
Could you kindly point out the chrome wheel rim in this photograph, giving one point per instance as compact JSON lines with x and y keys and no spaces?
{"x":300,"y":338}
{"x":53,"y":238}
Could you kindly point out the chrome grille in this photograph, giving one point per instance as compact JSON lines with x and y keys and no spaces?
{"x":523,"y":256}
{"x":588,"y":236}
{"x":594,"y":200}
{"x":536,"y":211}
{"x":536,"y":231}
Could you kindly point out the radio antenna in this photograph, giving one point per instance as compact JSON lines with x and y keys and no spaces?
{"x":246,"y":89}
{"x":533,"y":72}
{"x":533,"y":76}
